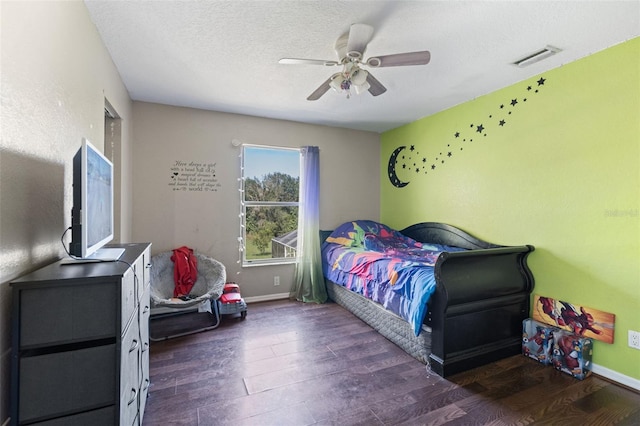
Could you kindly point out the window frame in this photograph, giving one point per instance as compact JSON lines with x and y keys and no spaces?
{"x":244,"y":204}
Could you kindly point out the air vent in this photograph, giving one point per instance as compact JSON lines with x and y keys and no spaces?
{"x":537,"y":56}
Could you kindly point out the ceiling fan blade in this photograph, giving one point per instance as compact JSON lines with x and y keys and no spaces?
{"x":359,"y":36}
{"x":296,"y":61}
{"x":400,"y":59}
{"x":324,"y":87}
{"x":375,"y":87}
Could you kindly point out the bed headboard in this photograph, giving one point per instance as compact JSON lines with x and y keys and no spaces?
{"x":441,"y":233}
{"x":323,"y":235}
{"x":437,"y":233}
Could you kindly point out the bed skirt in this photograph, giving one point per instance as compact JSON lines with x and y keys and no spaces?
{"x":388,"y":324}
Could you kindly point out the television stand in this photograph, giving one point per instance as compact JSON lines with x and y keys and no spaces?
{"x":80,"y":342}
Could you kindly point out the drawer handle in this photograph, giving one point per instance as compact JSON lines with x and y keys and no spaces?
{"x":134,"y":345}
{"x":146,"y":384}
{"x":148,"y":266}
{"x":145,"y":347}
{"x":145,"y":310}
{"x":134,"y":394}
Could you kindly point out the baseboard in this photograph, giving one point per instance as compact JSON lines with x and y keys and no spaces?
{"x":254,"y":299}
{"x":614,"y":376}
{"x":266,"y":298}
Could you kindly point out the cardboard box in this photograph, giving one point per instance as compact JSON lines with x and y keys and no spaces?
{"x":572,"y":354}
{"x":537,"y":340}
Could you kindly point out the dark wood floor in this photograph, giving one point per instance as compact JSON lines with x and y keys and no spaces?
{"x":290,"y":363}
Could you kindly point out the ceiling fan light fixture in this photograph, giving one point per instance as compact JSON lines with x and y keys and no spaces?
{"x":339,"y":83}
{"x":536,"y":56}
{"x":353,"y":80}
{"x":359,"y":77}
{"x":361,"y":88}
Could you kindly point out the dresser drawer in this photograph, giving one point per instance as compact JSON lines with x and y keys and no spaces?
{"x":67,"y":382}
{"x":143,"y":273}
{"x":64,"y":314}
{"x":130,"y":374}
{"x":101,"y":417}
{"x":129,"y":298}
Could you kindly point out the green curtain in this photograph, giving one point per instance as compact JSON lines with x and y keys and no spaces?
{"x":308,"y":285}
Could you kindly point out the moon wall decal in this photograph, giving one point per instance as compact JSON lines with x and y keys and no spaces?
{"x":393,"y":177}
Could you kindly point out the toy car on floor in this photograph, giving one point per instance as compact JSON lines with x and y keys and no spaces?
{"x":231,"y":302}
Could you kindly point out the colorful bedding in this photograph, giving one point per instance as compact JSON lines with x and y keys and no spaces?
{"x":382,"y":264}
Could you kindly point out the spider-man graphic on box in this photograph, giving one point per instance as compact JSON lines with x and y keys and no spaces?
{"x":537,"y":340}
{"x":572,"y":354}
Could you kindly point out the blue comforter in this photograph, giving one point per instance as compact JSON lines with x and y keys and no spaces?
{"x":385,"y":266}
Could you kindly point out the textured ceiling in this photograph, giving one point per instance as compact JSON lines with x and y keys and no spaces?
{"x":223,"y":55}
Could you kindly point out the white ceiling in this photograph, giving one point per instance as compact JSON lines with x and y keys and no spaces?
{"x":223,"y":55}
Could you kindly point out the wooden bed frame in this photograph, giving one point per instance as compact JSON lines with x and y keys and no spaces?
{"x":475,"y":315}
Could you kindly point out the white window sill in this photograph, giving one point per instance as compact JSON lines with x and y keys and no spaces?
{"x":268,"y":263}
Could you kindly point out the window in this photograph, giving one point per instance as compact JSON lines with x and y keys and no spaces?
{"x":270,"y":187}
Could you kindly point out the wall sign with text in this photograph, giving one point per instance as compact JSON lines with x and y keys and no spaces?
{"x":193,"y":176}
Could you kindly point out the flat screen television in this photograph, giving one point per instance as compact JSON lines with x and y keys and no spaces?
{"x":92,"y":212}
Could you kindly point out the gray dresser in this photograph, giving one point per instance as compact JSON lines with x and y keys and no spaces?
{"x":80,"y":342}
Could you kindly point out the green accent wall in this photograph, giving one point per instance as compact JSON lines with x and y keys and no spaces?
{"x":561,"y":172}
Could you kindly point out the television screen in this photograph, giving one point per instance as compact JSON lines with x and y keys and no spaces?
{"x":92,"y":213}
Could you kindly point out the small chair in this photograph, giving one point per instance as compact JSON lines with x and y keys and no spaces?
{"x":207,"y":289}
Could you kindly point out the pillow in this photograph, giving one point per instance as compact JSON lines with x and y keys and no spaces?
{"x":387,"y":243}
{"x":352,"y":234}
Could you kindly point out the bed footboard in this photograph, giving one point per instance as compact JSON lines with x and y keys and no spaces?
{"x":482,"y":296}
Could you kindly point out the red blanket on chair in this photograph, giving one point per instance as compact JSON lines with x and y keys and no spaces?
{"x":185,"y":270}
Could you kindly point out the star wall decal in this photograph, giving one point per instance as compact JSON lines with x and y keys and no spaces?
{"x":496,"y":120}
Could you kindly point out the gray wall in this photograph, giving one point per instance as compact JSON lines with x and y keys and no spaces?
{"x":208,"y":221}
{"x":56,"y":74}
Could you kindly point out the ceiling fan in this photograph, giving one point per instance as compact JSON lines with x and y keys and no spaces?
{"x":353,"y":78}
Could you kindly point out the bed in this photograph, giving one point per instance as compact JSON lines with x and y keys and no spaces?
{"x":450,"y":300}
